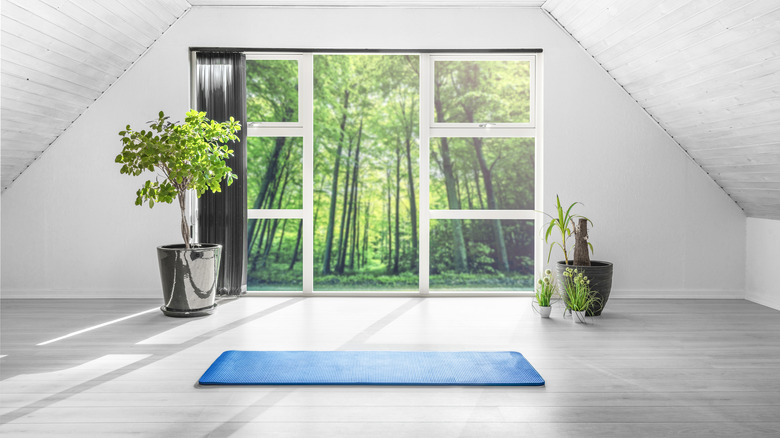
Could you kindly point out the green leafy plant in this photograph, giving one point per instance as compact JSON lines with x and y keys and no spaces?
{"x":578,"y":296}
{"x":563,"y":222}
{"x":188,"y":156}
{"x":545,"y":289}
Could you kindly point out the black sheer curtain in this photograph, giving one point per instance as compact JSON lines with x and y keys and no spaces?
{"x":222,"y":217}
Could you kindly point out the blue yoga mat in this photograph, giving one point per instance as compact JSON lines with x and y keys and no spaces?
{"x":465,"y":368}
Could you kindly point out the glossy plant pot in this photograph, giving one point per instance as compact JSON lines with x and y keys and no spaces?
{"x":544,"y":311}
{"x":578,"y":317}
{"x":189,"y":278}
{"x":600,"y":276}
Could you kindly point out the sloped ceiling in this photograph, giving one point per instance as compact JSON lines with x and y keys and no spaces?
{"x":59,"y":56}
{"x":707,"y":71}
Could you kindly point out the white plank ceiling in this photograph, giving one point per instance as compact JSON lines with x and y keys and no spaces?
{"x":59,"y":56}
{"x":708,"y":71}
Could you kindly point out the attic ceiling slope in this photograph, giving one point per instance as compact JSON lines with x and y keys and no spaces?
{"x":709,"y":73}
{"x":58,"y":57}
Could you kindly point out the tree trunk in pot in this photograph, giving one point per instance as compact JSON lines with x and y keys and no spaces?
{"x":581,"y":257}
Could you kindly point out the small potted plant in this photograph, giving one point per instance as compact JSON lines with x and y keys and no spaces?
{"x":598,"y":271}
{"x":186,"y":156}
{"x":544,"y":293}
{"x":577,"y":294}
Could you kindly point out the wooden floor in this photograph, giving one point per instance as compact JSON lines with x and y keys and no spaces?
{"x":653,"y":368}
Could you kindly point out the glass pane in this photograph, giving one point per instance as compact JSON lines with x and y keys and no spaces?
{"x":272,"y":91}
{"x":482,"y":173}
{"x":366,"y":117}
{"x":482,"y":91}
{"x":274,"y":172}
{"x":275,"y":251}
{"x":482,"y":254}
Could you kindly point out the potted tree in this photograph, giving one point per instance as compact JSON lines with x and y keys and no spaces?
{"x":599,"y":272}
{"x":185,"y":156}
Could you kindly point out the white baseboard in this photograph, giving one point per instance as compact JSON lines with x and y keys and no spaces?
{"x":771,"y":303}
{"x":659,"y":294}
{"x":690,"y":294}
{"x":77,"y":294}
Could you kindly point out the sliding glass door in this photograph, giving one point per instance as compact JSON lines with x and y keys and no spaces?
{"x":392,"y":172}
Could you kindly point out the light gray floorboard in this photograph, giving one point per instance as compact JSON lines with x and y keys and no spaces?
{"x":698,"y":368}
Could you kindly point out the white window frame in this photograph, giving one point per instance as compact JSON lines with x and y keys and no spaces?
{"x":429,"y":129}
{"x":304,"y":128}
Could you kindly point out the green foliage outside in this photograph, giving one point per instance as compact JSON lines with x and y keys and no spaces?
{"x":274,"y":177}
{"x":285,"y":191}
{"x":366,"y":171}
{"x":511,"y":165}
{"x":272,"y":91}
{"x":482,"y":91}
{"x":366,"y":112}
{"x":277,"y":276}
{"x":188,"y":156}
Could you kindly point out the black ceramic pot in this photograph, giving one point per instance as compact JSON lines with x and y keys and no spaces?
{"x":600,"y":276}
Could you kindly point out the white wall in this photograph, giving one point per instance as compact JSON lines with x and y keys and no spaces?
{"x":69,"y":224}
{"x":763,"y":243}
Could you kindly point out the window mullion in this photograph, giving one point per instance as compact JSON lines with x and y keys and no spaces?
{"x":426,"y":109}
{"x":483,"y":214}
{"x":306,"y":117}
{"x":470,"y":132}
{"x":275,"y":214}
{"x":276,"y":131}
{"x":537,"y":110}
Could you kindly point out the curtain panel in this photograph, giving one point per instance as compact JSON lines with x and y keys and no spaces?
{"x":222,"y":217}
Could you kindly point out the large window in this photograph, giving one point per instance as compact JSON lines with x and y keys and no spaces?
{"x":481,"y":165}
{"x":392,"y":172}
{"x":279,"y":136}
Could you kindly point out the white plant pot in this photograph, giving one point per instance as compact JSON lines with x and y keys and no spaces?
{"x":544,"y":311}
{"x":578,"y":317}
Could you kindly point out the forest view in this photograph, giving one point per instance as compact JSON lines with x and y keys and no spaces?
{"x":366,"y":171}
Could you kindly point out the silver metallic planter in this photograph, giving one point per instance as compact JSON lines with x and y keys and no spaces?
{"x":189,"y":278}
